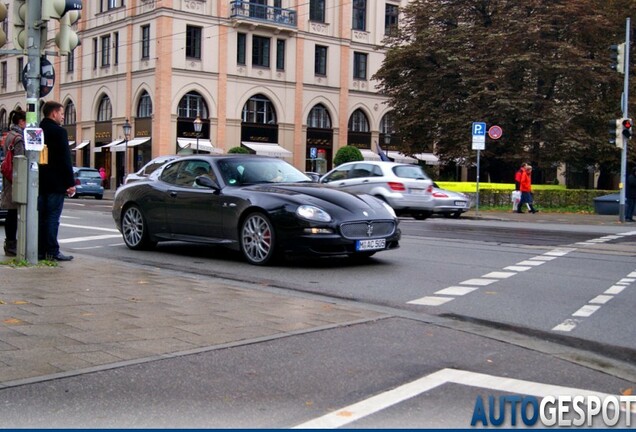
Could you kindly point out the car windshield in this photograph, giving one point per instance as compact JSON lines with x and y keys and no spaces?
{"x":154,"y":164}
{"x":410,"y":171}
{"x":247,"y":170}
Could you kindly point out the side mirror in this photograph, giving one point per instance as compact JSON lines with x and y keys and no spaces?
{"x":206,"y":182}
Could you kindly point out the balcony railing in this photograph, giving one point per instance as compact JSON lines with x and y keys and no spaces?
{"x":265,"y":13}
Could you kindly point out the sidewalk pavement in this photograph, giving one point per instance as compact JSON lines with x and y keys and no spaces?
{"x":65,"y":320}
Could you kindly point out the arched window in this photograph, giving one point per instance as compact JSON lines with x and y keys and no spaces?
{"x":358,"y":122}
{"x":319,"y":117}
{"x":144,"y":109}
{"x":259,"y":109}
{"x":69,"y":114}
{"x":105,"y":111}
{"x":387,"y":124}
{"x":191,"y":105}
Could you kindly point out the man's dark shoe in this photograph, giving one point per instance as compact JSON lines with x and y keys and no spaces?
{"x":59,"y":257}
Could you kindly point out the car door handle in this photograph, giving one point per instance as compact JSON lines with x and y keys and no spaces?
{"x":341,"y":184}
{"x":173,"y":194}
{"x":365,"y":181}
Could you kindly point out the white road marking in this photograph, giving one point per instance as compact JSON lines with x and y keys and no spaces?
{"x":478,"y":282}
{"x":530,"y":263}
{"x":601,"y":299}
{"x":615,"y":289}
{"x":586,"y":311}
{"x":455,"y":290}
{"x":499,"y":275}
{"x":567,"y":325}
{"x":92,"y":228}
{"x":90,"y":238}
{"x":431,"y":301}
{"x":518,"y":268}
{"x":374,"y":404}
{"x":543,"y":258}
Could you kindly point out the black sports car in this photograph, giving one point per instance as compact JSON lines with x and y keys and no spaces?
{"x":261,"y":206}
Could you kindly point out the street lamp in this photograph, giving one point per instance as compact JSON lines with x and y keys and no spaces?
{"x":198,"y":124}
{"x":387,"y":139}
{"x":127,"y":128}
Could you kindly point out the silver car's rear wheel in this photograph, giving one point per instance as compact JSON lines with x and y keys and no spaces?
{"x":135,"y":230}
{"x":258,"y":239}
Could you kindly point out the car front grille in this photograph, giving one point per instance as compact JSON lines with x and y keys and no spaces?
{"x":359,"y":230}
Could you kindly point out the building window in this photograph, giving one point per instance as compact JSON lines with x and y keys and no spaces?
{"x":359,"y":14}
{"x":259,"y":109}
{"x":69,"y":114}
{"x":145,"y":42}
{"x":3,"y":120}
{"x":144,"y":109}
{"x":116,"y":47}
{"x":317,"y":10}
{"x":260,"y":51}
{"x":320,"y":62}
{"x":70,"y":62}
{"x":193,"y":42}
{"x":358,"y":122}
{"x":241,"y":44}
{"x":112,"y":4}
{"x":387,"y":124}
{"x":191,"y":105}
{"x":280,"y":54}
{"x":105,"y":50}
{"x":3,"y":71}
{"x":20,"y":70}
{"x":359,"y":66}
{"x":105,"y":111}
{"x":319,"y":117}
{"x":390,"y":19}
{"x":95,"y":53}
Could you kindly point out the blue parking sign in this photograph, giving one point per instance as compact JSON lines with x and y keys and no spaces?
{"x":479,"y":129}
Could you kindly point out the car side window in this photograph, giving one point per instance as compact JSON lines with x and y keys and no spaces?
{"x":170,"y":172}
{"x":338,"y":174}
{"x":377,"y":171}
{"x":361,"y":170}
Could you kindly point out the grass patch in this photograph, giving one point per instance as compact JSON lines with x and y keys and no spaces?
{"x":18,"y":263}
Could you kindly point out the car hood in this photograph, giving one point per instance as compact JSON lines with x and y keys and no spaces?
{"x":326,"y":198}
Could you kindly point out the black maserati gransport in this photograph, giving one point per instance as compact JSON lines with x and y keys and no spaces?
{"x":261,"y":206}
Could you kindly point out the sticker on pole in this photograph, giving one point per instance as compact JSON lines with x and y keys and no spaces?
{"x":33,"y":139}
{"x":495,"y":132}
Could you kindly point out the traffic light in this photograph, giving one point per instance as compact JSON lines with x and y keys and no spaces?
{"x":19,"y":14}
{"x":56,"y":9}
{"x":616,"y":132}
{"x":66,"y":39}
{"x":618,"y":58}
{"x":3,"y":16}
{"x":627,"y":128}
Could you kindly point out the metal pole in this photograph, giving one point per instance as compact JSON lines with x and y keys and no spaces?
{"x":34,"y":29}
{"x":623,"y":181}
{"x":477,"y":199}
{"x":123,"y":180}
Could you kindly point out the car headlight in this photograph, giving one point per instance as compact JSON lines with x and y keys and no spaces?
{"x":389,"y":209}
{"x":313,"y":213}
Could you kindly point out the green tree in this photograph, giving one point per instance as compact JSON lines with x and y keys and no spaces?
{"x":537,"y":68}
{"x":238,"y":150}
{"x":347,"y":154}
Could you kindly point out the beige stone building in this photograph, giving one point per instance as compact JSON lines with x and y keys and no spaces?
{"x":289,"y":78}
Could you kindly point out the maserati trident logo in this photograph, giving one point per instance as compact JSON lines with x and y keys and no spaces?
{"x":369,"y":230}
{"x":364,"y":212}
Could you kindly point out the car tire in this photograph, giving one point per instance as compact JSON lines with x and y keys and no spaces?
{"x":135,"y":229}
{"x":421,"y":215}
{"x":99,"y":197}
{"x":258,"y":239}
{"x":456,"y":215}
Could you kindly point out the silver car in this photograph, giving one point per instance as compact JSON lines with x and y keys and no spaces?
{"x":405,"y":187}
{"x":149,"y":168}
{"x":449,"y":203}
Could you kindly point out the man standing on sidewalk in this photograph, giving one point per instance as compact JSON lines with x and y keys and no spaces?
{"x":56,"y":180}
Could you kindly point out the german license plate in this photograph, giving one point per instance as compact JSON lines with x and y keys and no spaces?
{"x":91,"y":184}
{"x":460,"y":203}
{"x":418,"y":191}
{"x":365,"y":245}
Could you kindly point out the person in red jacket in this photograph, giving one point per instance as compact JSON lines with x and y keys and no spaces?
{"x":525,"y":187}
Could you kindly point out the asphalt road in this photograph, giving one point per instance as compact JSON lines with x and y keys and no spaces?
{"x":451,"y":335}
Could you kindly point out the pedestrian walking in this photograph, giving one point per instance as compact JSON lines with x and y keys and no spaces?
{"x":525,"y":186}
{"x":516,"y":194}
{"x":102,"y":173}
{"x":630,"y":196}
{"x":14,"y":143}
{"x":56,"y":181}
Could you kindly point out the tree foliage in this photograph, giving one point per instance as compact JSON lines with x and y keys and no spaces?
{"x":347,"y":154}
{"x":537,"y":68}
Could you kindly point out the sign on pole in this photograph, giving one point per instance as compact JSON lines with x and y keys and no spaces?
{"x":495,"y":132}
{"x":479,"y":136}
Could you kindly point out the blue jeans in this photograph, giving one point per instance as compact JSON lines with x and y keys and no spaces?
{"x":629,"y":208}
{"x":49,"y":212}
